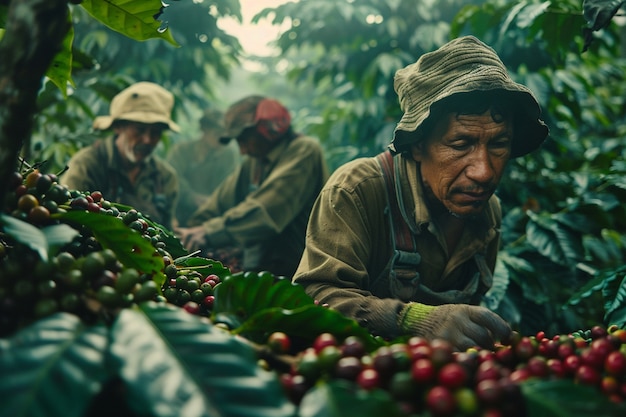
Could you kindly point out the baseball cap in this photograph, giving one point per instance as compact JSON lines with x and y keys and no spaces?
{"x":270,"y":117}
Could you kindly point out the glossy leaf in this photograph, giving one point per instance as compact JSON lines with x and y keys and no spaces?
{"x":592,"y":287}
{"x":554,"y":241}
{"x":598,"y":13}
{"x":203,"y":265}
{"x":60,"y":71}
{"x":132,"y":250}
{"x":177,"y":364}
{"x":586,"y":217}
{"x":305,"y":322}
{"x":497,"y":292}
{"x":341,"y":398}
{"x":615,"y":309}
{"x":135,"y":19}
{"x":564,"y":398}
{"x":52,"y":368}
{"x":241,"y":295}
{"x":254,"y":304}
{"x":43,"y":241}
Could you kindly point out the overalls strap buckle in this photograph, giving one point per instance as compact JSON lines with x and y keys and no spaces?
{"x":404,"y":259}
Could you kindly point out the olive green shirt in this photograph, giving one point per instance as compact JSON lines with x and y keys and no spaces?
{"x":264,"y":206}
{"x":200,"y":170}
{"x":348,"y":246}
{"x":99,"y":168}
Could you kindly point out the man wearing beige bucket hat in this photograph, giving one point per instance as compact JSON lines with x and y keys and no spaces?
{"x":406,"y":242}
{"x":122,"y":167}
{"x":263,"y":207}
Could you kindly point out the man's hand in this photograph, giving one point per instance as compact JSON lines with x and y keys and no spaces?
{"x":192,"y":238}
{"x":464,"y":326}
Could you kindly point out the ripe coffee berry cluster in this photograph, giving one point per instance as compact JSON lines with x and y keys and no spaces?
{"x":187,"y":288}
{"x":430,"y":376}
{"x":82,"y":270}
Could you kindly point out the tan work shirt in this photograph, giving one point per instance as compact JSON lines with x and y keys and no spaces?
{"x":348,"y":246}
{"x":264,"y":206}
{"x":99,"y":168}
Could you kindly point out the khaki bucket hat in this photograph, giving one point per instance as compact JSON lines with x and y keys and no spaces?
{"x":463,"y":66}
{"x":270,"y":117}
{"x":142,"y":102}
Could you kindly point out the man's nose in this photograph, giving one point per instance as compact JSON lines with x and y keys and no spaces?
{"x":481,"y":168}
{"x":150,"y":137}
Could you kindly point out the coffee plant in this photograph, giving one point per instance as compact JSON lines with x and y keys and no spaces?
{"x":103,"y":312}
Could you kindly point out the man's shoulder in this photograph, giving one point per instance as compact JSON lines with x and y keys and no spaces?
{"x":363,"y":164}
{"x":306,"y":142}
{"x":96,"y":150}
{"x":363,"y":172}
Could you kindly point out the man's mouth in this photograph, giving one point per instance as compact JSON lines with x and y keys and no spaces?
{"x":474,"y":198}
{"x":143,"y":150}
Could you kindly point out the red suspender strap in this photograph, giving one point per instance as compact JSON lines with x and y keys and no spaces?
{"x":402,"y":233}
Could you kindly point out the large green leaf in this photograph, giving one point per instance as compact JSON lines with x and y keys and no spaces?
{"x":497,"y":292}
{"x":133,"y":18}
{"x":598,"y":13}
{"x":530,"y":13}
{"x":565,"y":398}
{"x":60,"y":70}
{"x":256,"y":304}
{"x":342,"y":398}
{"x":305,"y":322}
{"x":52,"y":368}
{"x":43,"y":241}
{"x":248,"y":292}
{"x":511,"y":16}
{"x":554,"y":241}
{"x":592,"y":287}
{"x":177,"y":364}
{"x":203,"y":265}
{"x":615,"y":309}
{"x":131,"y":249}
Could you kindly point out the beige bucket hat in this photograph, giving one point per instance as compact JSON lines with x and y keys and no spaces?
{"x":463,"y":65}
{"x":142,"y":102}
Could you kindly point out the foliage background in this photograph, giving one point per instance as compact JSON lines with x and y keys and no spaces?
{"x":562,"y":263}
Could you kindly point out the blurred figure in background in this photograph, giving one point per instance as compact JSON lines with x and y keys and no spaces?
{"x":202,"y":164}
{"x":263,"y":207}
{"x":123,"y":166}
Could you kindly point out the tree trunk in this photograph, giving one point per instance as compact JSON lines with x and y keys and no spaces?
{"x":34,"y":33}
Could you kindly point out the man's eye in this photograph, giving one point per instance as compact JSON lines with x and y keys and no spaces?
{"x":500,"y":144}
{"x":461,"y":145}
{"x":140,"y":130}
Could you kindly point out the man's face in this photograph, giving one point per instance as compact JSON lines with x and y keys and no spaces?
{"x":253,"y":143}
{"x":462,"y":161}
{"x":136,"y":141}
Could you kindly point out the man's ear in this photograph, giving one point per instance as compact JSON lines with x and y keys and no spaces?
{"x":417,"y":151}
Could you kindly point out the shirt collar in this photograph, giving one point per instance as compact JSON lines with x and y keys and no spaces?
{"x":273,"y":155}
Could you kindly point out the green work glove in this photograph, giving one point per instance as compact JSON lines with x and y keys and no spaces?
{"x":463,"y":325}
